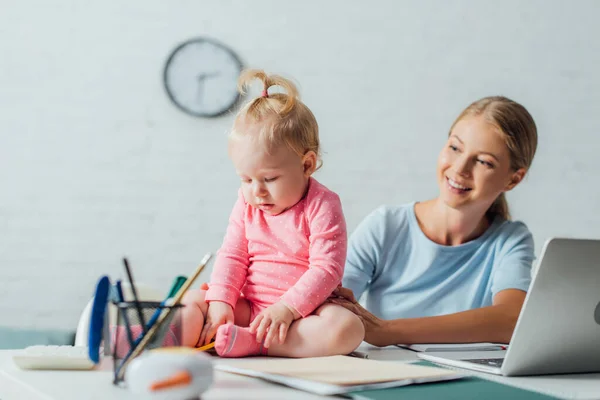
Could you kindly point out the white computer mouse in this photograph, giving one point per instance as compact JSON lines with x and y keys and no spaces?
{"x":175,"y":374}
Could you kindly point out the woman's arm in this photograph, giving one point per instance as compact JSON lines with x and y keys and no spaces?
{"x":487,"y":324}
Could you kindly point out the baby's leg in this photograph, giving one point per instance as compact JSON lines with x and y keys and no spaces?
{"x":192,"y":316}
{"x":331,"y":330}
{"x":194,"y":312}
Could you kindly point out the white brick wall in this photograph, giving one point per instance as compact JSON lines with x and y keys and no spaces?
{"x":97,"y":164}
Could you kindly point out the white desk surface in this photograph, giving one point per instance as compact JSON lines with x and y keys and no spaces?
{"x":70,"y":385}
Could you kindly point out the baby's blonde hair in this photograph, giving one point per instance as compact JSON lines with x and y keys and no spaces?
{"x":284,"y":118}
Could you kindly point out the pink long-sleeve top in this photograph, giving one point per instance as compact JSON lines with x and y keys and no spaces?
{"x":297,"y":256}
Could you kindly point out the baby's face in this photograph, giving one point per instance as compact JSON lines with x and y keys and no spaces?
{"x":271,"y":181}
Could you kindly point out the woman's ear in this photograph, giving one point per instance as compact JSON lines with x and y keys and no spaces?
{"x":309,"y":162}
{"x":515,"y":179}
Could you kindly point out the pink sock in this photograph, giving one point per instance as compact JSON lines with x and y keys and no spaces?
{"x":235,"y":341}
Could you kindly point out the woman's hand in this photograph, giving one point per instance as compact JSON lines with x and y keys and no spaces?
{"x":373,"y":325}
{"x":219,"y":313}
{"x":274,"y":322}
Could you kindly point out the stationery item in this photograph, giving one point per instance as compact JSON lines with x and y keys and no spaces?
{"x":175,"y":350}
{"x":177,"y":284}
{"x":170,"y":328}
{"x":97,"y":318}
{"x":437,"y":347}
{"x":137,"y":349}
{"x":359,"y":354}
{"x":169,"y":333}
{"x":206,"y":347}
{"x":134,"y":293}
{"x":121,"y":299}
{"x":44,"y":357}
{"x":337,"y":374}
{"x":170,"y":375}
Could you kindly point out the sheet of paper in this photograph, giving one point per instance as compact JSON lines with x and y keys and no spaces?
{"x":341,"y":370}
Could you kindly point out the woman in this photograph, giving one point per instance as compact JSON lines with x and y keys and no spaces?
{"x":453,"y":269}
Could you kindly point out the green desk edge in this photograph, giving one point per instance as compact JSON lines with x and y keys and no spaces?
{"x":461,"y":389}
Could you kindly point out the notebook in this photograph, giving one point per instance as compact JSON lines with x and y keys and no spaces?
{"x":454,"y":347}
{"x":336,"y":374}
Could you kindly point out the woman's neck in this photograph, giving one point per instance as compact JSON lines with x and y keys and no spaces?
{"x":448,"y":226}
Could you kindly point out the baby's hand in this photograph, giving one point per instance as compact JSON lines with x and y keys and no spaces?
{"x":274,"y":322}
{"x":219,"y":313}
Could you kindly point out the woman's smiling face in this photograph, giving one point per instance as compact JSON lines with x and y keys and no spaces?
{"x":474,"y":167}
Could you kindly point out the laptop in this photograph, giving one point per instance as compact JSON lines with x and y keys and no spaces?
{"x":558,"y":330}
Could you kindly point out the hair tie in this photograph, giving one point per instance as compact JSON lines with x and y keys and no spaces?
{"x":264,"y":93}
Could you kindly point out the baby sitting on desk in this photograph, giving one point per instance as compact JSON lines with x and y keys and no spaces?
{"x":285,"y":246}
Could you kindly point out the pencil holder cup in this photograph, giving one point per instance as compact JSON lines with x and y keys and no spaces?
{"x":129,"y":330}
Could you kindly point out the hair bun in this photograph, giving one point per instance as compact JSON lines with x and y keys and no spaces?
{"x":285,"y":101}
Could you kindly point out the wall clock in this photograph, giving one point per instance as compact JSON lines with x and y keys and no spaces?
{"x":200,"y":77}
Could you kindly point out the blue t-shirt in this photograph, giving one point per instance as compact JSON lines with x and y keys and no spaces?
{"x":407,"y":275}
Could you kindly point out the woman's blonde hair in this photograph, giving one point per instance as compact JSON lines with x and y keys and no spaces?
{"x":284,"y":118}
{"x":520,"y":135}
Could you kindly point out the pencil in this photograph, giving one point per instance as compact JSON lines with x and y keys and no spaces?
{"x":134,"y":293}
{"x":164,"y":315}
{"x":205,"y":347}
{"x":179,"y":281}
{"x":121,"y":299}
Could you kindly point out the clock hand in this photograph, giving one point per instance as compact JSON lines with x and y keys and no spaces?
{"x":200,"y":91}
{"x":201,"y":78}
{"x":204,"y":76}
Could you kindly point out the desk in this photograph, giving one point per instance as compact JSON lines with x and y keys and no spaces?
{"x":17,"y":384}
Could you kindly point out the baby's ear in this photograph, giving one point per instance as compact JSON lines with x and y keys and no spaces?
{"x":309,"y":161}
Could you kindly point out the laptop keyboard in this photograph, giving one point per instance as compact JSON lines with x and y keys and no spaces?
{"x":492,"y":362}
